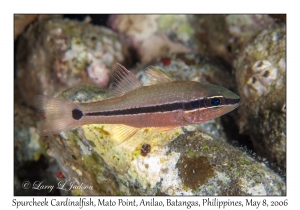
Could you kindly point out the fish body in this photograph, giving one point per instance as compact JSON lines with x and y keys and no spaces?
{"x":165,"y":105}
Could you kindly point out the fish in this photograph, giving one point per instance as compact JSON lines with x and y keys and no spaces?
{"x":165,"y":104}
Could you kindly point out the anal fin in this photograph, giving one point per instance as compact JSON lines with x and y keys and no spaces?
{"x":167,"y":128}
{"x":123,"y":133}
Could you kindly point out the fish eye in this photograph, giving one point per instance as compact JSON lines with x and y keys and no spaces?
{"x":215,"y":101}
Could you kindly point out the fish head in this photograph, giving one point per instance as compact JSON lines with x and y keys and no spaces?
{"x":217,"y":102}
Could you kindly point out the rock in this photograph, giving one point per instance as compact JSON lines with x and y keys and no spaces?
{"x":261,"y":80}
{"x":56,"y":54}
{"x":196,"y":67}
{"x":151,"y":35}
{"x":21,"y":21}
{"x":26,"y":140}
{"x":226,"y":35}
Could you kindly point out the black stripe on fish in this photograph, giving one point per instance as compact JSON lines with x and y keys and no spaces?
{"x":151,"y":109}
{"x":230,"y":101}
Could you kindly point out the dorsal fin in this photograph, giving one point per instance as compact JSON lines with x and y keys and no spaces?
{"x":159,"y":75}
{"x":123,"y":81}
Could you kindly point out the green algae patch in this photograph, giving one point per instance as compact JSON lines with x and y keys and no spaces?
{"x":209,"y":149}
{"x":136,"y":153}
{"x":93,"y":163}
{"x":191,"y":153}
{"x":205,"y":147}
{"x":194,"y":171}
{"x":230,"y":164}
{"x":76,"y":192}
{"x":244,"y":161}
{"x":215,"y":148}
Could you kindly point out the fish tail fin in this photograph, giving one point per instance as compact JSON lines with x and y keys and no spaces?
{"x":56,"y":114}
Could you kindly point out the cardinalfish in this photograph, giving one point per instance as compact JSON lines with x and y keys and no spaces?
{"x":164,"y":105}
